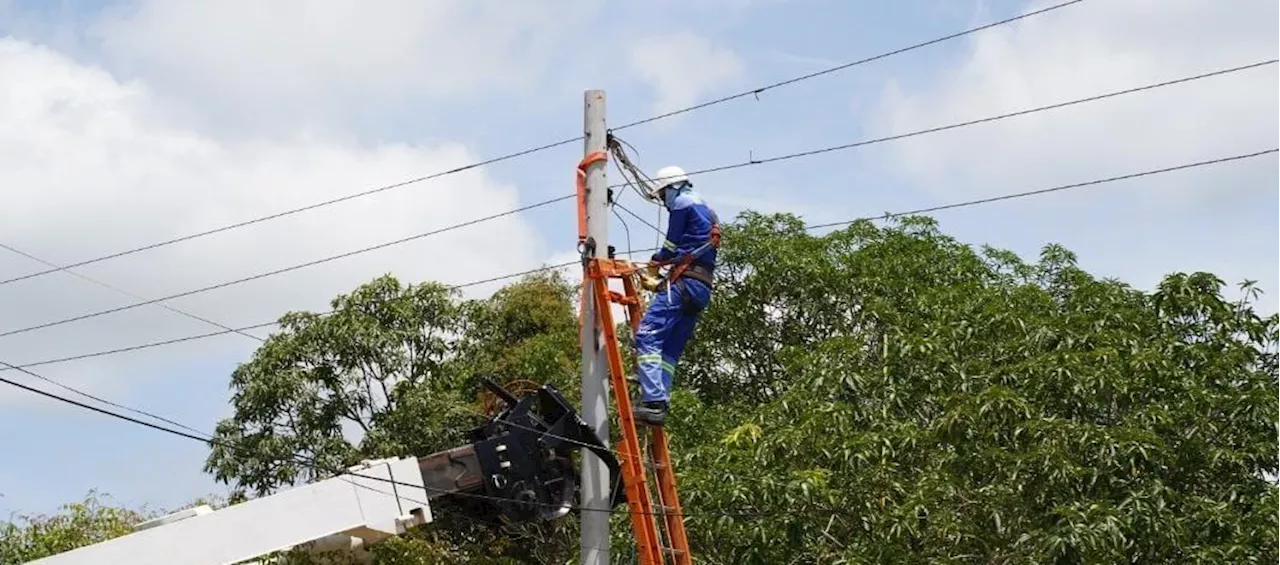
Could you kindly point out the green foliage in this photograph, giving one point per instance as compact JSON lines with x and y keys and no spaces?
{"x":77,"y":524}
{"x":402,"y":365}
{"x":878,"y":394}
{"x":526,"y":331}
{"x":902,"y":398}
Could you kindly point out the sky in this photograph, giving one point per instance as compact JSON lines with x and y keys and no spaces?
{"x":124,"y":123}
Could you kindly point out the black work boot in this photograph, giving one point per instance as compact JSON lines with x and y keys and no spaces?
{"x":653,"y":412}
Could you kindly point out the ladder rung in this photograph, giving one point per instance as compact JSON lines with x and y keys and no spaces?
{"x":654,"y":466}
{"x":673,"y":550}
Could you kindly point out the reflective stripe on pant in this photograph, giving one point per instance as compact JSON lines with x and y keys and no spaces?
{"x":664,"y":332}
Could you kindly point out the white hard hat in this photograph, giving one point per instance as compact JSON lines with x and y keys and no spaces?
{"x":667,"y":176}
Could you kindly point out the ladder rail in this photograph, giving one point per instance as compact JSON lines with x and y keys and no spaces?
{"x":636,"y":486}
{"x":655,"y":538}
{"x":668,"y":496}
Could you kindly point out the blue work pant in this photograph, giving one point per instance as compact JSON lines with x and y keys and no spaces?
{"x":664,"y":331}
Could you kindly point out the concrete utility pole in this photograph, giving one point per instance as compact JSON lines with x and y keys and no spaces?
{"x":595,"y":395}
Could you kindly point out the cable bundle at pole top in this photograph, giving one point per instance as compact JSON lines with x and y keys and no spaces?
{"x":633,"y":176}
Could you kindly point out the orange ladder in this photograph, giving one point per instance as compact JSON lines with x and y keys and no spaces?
{"x":659,"y":542}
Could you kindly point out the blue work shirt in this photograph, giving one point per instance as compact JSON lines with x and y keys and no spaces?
{"x":689,"y":226}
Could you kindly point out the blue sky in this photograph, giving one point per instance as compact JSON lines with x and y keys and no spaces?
{"x":133,"y":122}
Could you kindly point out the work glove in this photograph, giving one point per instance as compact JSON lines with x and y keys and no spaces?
{"x":650,"y":278}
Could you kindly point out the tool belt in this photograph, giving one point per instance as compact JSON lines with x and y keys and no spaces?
{"x":700,"y":273}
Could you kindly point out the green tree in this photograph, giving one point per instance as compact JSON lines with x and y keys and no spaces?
{"x":876,"y":394}
{"x":889,"y":395}
{"x":320,"y":376}
{"x":28,"y":537}
{"x":395,"y":370}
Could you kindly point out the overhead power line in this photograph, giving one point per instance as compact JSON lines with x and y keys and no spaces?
{"x":1038,"y":192}
{"x":77,"y":274}
{"x":91,"y":408}
{"x":455,"y":170}
{"x":314,"y":465}
{"x":304,"y":460}
{"x":148,"y":345}
{"x":637,"y":216}
{"x":998,"y":117}
{"x":963,"y":204}
{"x":23,"y":367}
{"x":1013,"y":196}
{"x":195,"y":337}
{"x":54,"y":382}
{"x":285,"y":269}
{"x":752,"y":162}
{"x":841,"y":67}
{"x":292,"y":211}
{"x":234,"y":446}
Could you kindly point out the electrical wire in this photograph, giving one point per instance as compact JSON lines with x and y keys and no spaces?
{"x":117,"y":289}
{"x":828,"y":149}
{"x":100,"y":399}
{"x":962,"y":204}
{"x":283,"y":270}
{"x":455,"y":170}
{"x":205,"y":437}
{"x":103,"y":411}
{"x":610,"y":510}
{"x":984,"y":201}
{"x":757,"y":91}
{"x":147,"y":345}
{"x":751,"y":162}
{"x":1048,"y":190}
{"x":200,"y":435}
{"x":292,"y":211}
{"x":265,"y":324}
{"x":635,"y":177}
{"x":642,"y":220}
{"x":1037,"y":192}
{"x":966,"y":203}
{"x":24,"y":367}
{"x":615,"y":200}
{"x":626,"y":229}
{"x":298,"y":458}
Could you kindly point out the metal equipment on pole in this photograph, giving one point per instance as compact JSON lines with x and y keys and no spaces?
{"x":518,"y":468}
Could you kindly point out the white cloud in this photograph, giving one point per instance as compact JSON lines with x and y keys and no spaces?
{"x":1138,"y":230}
{"x":1081,"y":51}
{"x":295,"y":61}
{"x":682,"y":66}
{"x":90,"y":169}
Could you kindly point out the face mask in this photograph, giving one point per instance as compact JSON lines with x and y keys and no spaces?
{"x":670,"y":193}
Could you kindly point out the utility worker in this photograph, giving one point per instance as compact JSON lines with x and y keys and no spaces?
{"x":693,"y":234}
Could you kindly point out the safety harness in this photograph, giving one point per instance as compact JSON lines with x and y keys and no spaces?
{"x":684,"y":266}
